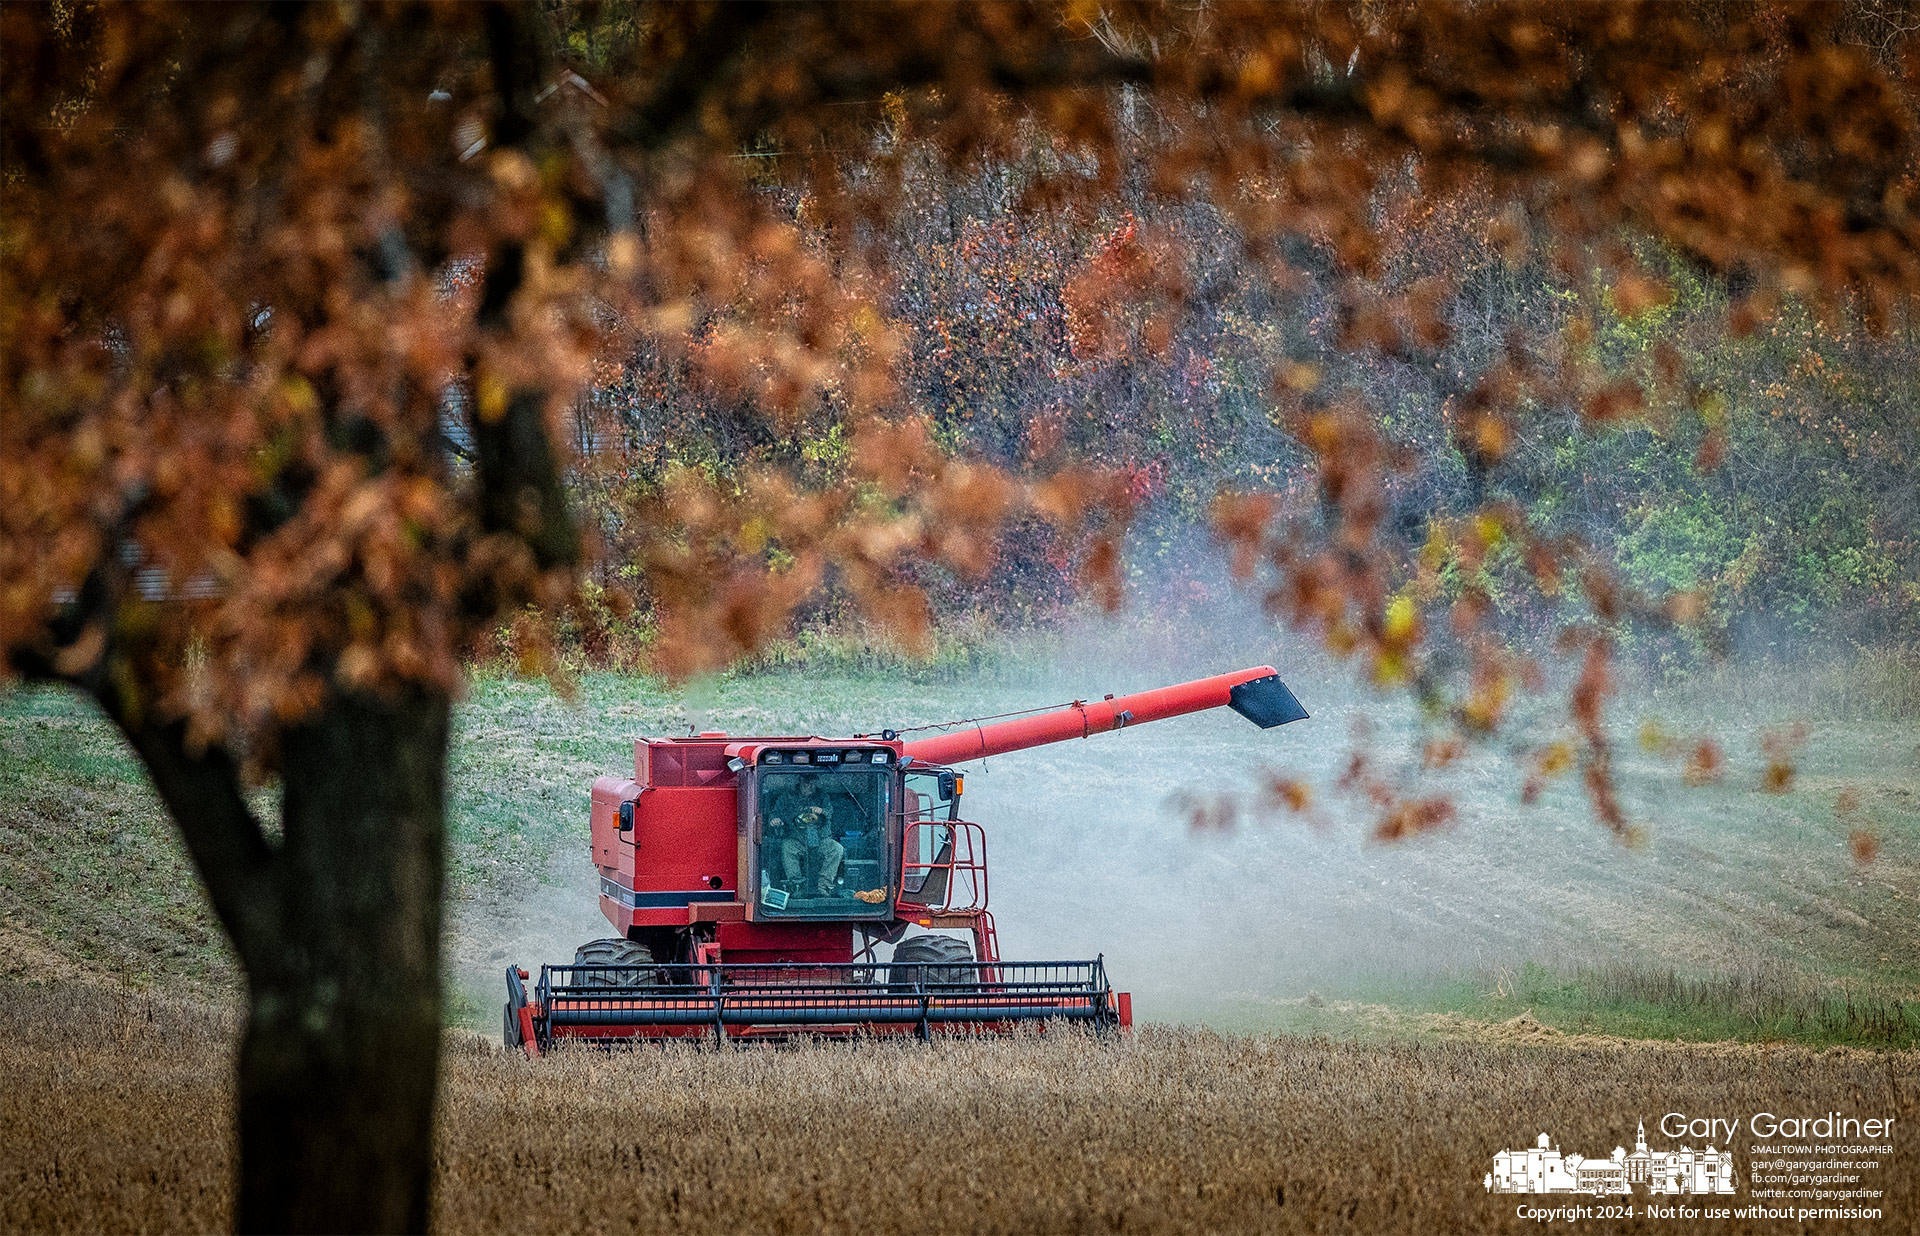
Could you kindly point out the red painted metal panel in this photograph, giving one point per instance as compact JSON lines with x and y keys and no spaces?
{"x":1082,"y":719}
{"x":686,"y":762}
{"x":529,"y":1043}
{"x":684,"y":835}
{"x":604,"y":828}
{"x":775,"y":942}
{"x":618,"y":915}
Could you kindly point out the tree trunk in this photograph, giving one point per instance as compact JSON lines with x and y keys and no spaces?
{"x":340,"y":1063}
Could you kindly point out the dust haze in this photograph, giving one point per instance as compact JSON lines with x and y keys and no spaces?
{"x":1091,"y":850}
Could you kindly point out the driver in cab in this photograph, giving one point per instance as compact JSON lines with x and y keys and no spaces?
{"x":801,"y":817}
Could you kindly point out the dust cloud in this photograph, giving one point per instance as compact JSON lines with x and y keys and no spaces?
{"x":1091,"y":851}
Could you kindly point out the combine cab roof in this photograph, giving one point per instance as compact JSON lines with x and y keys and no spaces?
{"x":702,"y":759}
{"x":785,"y":740}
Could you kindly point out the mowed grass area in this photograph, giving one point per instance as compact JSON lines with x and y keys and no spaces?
{"x":117,"y":1107}
{"x":93,"y":876}
{"x":1515,"y":911}
{"x":1537,"y":1003}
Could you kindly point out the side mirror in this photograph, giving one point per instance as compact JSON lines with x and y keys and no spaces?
{"x":626,"y":817}
{"x":949,"y":786}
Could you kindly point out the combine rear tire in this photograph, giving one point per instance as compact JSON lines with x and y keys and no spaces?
{"x":614,"y":952}
{"x":927,"y":958}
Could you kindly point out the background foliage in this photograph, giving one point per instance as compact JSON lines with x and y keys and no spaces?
{"x":1766,"y":470}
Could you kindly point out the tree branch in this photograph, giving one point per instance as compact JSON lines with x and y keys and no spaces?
{"x":202,"y":792}
{"x":521,"y":490}
{"x":519,"y":55}
{"x":675,"y":105}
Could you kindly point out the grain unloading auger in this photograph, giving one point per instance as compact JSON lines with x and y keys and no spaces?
{"x":751,"y":879}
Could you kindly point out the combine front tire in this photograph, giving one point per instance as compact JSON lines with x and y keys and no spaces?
{"x":928,"y":958}
{"x":614,"y":952}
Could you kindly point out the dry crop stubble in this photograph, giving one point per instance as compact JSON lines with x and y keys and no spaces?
{"x":115,"y":1115}
{"x":114,"y":1112}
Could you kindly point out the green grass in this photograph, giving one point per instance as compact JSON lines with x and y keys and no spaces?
{"x":92,"y":873}
{"x":1759,"y":1004}
{"x":1762,"y":1004}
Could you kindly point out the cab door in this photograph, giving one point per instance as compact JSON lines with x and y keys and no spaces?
{"x":932,"y":799}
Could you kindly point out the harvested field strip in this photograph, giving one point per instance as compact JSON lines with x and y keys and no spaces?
{"x":115,"y":1113}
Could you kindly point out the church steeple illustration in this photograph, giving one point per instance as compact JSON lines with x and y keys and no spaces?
{"x":1640,"y":1141}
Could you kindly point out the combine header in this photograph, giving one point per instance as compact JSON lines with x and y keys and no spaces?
{"x":751,"y":881}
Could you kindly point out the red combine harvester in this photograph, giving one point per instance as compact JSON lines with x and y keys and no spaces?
{"x":751,"y":879}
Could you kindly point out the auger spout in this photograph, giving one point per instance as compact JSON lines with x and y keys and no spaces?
{"x":1256,"y":694}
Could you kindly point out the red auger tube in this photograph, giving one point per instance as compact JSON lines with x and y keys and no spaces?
{"x":1084,"y":719}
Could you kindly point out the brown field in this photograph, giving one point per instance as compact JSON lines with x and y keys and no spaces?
{"x":116,"y":1106}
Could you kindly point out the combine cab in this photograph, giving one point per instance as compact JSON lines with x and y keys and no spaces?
{"x":751,"y":882}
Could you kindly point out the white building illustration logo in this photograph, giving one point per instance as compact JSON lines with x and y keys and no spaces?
{"x":1543,"y":1169}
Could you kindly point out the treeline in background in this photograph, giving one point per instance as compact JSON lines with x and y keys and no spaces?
{"x":1764,"y":470}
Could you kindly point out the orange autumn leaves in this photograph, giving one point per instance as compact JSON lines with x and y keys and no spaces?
{"x":1397,"y":813}
{"x":726,"y":565}
{"x":1128,"y":295}
{"x":246,"y":303}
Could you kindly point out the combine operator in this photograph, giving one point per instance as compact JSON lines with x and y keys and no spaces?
{"x":802,"y":818}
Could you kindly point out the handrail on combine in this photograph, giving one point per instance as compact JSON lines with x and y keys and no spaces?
{"x":953,"y":880}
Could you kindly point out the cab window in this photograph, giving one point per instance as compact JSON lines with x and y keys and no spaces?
{"x":932,"y":801}
{"x":932,"y":795}
{"x":823,"y":843}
